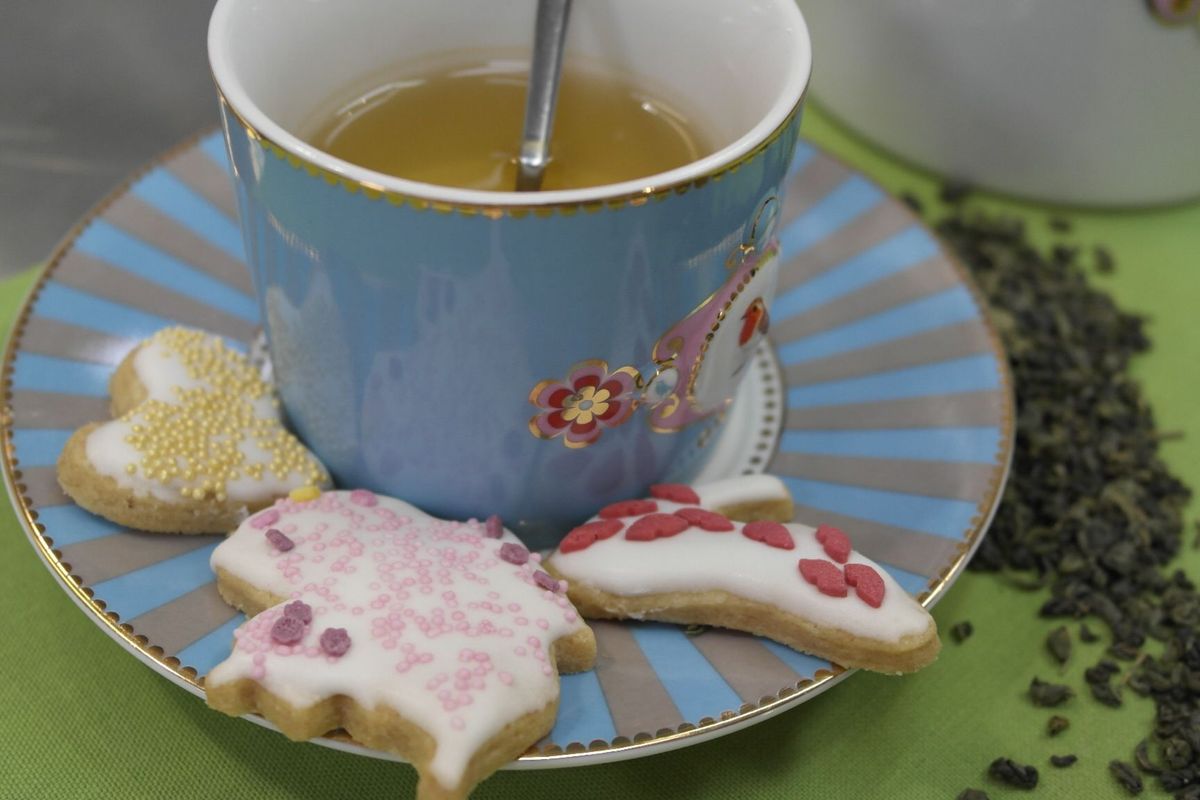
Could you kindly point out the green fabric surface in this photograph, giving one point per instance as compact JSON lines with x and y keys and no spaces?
{"x":84,"y":719}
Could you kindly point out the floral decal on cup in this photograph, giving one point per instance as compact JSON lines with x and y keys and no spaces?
{"x":694,"y":367}
{"x":578,"y":409}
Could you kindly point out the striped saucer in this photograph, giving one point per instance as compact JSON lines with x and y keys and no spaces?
{"x":895,"y":423}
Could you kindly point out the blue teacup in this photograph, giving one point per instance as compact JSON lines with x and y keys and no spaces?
{"x":534,"y":355}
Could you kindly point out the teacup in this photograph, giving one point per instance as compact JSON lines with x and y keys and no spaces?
{"x":534,"y":355}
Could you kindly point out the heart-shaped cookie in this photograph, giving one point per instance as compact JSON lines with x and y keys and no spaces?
{"x":197,"y":441}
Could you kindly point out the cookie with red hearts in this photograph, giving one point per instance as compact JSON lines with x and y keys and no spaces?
{"x":438,"y":641}
{"x":723,"y":554}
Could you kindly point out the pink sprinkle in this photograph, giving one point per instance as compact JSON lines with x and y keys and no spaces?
{"x":279,"y":540}
{"x":494,"y":527}
{"x":287,"y":630}
{"x":362,"y":497}
{"x":265,"y":519}
{"x":514,"y":553}
{"x":298,"y":609}
{"x":457,"y":723}
{"x":335,"y":641}
{"x":544,"y":580}
{"x":505,"y":677}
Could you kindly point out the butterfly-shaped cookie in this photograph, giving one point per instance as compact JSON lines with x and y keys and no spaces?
{"x":196,"y":442}
{"x":438,"y":641}
{"x":677,"y":556}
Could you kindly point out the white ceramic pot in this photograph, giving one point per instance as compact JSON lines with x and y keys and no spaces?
{"x":1093,"y":102}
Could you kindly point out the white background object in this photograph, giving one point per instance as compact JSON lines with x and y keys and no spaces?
{"x":1091,"y":102}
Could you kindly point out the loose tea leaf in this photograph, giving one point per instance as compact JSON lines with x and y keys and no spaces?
{"x":1090,"y":513}
{"x":1047,"y":695}
{"x":1063,"y":761}
{"x":954,"y":192}
{"x":912,"y":201}
{"x":1086,"y":634}
{"x":1126,"y":776}
{"x":972,"y":794}
{"x":1106,"y":693}
{"x":1141,"y":754}
{"x":962,"y":631}
{"x":1056,"y":725}
{"x":1058,"y":642}
{"x":1008,"y":771}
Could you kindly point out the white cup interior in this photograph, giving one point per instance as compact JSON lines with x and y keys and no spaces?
{"x":738,"y":66}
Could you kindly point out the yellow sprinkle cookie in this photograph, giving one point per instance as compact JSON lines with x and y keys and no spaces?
{"x":197,"y":441}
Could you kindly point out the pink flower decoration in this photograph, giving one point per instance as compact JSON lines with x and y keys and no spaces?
{"x":578,"y":409}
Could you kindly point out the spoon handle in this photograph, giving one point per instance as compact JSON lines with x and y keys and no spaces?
{"x":544,"y":72}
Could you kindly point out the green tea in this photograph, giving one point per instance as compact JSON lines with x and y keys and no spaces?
{"x":460,"y":126}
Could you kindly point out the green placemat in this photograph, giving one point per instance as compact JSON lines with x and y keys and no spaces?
{"x":84,"y":719}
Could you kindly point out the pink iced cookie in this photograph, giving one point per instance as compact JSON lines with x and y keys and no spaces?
{"x":801,"y":586}
{"x":450,"y":626}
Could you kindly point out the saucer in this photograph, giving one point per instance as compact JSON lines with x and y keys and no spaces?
{"x":883,"y":401}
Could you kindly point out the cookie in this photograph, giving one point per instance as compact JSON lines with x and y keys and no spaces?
{"x":196,"y":443}
{"x":438,"y":641}
{"x":679,"y":556}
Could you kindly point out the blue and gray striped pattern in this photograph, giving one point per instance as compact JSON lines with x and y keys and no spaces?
{"x":897,"y":425}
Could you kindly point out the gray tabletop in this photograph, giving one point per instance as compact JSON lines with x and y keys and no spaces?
{"x":88,"y":91}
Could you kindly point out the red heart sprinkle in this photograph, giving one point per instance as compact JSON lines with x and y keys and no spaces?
{"x":705,"y":519}
{"x":675,"y":493}
{"x":655,"y":526}
{"x":606,"y":528}
{"x":628,"y":508}
{"x":836,"y":543}
{"x":579,"y":539}
{"x":585,"y":535}
{"x":824,"y":575}
{"x":866,"y":583}
{"x":771,"y":533}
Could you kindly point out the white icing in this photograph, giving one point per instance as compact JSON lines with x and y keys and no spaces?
{"x":385,"y":551}
{"x":699,"y":560}
{"x":162,"y":373}
{"x":739,"y":490}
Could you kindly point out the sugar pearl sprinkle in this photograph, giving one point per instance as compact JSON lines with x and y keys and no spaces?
{"x":450,"y":626}
{"x":196,"y":441}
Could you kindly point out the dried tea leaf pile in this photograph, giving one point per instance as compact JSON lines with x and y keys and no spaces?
{"x":1090,"y":510}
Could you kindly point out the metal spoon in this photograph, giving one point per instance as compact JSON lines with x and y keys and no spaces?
{"x":544,"y":74}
